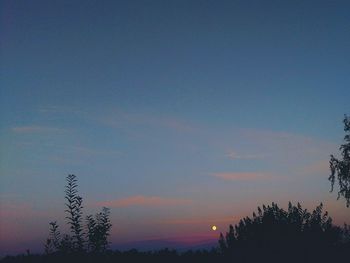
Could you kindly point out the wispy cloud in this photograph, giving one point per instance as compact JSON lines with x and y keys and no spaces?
{"x":176,"y":124}
{"x":36,"y":129}
{"x":60,"y":109}
{"x":140,"y":200}
{"x":119,"y":118}
{"x":236,"y":156}
{"x":289,"y":143}
{"x":242,"y":176}
{"x":82,"y":150}
{"x":80,"y":155}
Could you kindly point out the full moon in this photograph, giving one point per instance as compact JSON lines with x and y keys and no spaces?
{"x":213,"y":228}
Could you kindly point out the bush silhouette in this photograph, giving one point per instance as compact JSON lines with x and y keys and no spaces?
{"x":98,"y":231}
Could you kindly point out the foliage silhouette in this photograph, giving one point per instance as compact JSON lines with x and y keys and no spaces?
{"x":98,"y":228}
{"x":340,"y":169}
{"x":74,"y":211}
{"x":160,"y":256}
{"x":273,"y":233}
{"x":98,"y":231}
{"x":53,"y":242}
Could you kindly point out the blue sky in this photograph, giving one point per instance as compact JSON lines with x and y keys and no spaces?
{"x":177,"y":114}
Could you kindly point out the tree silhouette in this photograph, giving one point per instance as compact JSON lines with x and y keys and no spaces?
{"x":274,"y":231}
{"x":340,"y":168}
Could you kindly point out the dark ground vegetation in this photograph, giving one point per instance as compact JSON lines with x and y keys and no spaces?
{"x":272,"y":234}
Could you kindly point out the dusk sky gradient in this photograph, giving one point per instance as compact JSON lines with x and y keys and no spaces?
{"x":175,"y":114}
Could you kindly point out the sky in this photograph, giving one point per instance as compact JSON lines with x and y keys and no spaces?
{"x":177,"y":115}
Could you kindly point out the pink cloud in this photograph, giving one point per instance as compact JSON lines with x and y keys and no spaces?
{"x":140,"y":200}
{"x":241,"y":176}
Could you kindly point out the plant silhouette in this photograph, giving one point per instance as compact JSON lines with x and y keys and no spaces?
{"x":272,"y":233}
{"x":53,"y":242}
{"x":98,"y":227}
{"x":98,"y":231}
{"x":340,"y":168}
{"x":74,"y":211}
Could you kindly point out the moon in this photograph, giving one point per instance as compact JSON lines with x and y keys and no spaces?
{"x":213,"y":228}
